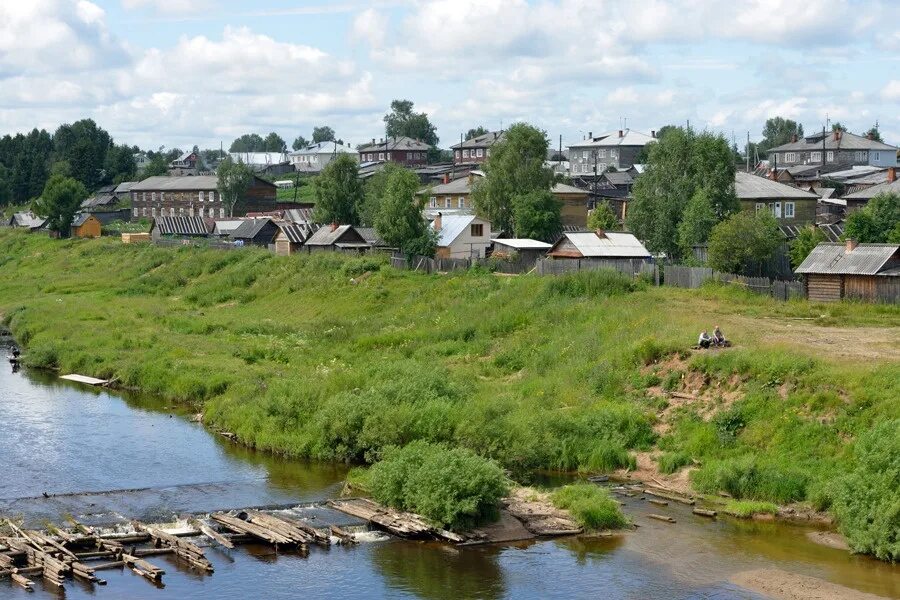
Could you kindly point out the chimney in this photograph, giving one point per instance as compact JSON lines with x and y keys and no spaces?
{"x":851,"y":246}
{"x":837,"y":134}
{"x":892,"y":174}
{"x":590,"y":135}
{"x":793,"y":138}
{"x":333,"y":226}
{"x":870,"y":135}
{"x":446,"y":178}
{"x":653,"y":134}
{"x":621,"y":133}
{"x":437,"y":222}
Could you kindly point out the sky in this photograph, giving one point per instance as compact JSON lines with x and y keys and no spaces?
{"x":176,"y":73}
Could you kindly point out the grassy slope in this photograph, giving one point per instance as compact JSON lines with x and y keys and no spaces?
{"x":294,"y":357}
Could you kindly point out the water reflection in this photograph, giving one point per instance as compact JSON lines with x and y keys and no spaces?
{"x":440,"y":572}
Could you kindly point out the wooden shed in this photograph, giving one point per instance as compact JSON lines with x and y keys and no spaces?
{"x":86,"y":225}
{"x":870,"y":272}
{"x":291,"y":237}
{"x":337,"y":238}
{"x":256,"y":232}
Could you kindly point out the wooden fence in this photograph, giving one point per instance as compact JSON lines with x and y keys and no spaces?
{"x":198,"y":242}
{"x":633,"y":267}
{"x":694,"y":277}
{"x":543,"y":266}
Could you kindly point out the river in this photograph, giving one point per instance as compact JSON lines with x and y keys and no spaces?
{"x":102,"y":456}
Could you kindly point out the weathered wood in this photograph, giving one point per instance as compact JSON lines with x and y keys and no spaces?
{"x":317,"y":536}
{"x":183,"y":549}
{"x":143,"y":568}
{"x":661,"y":518}
{"x":704,"y":512}
{"x":241,"y":526}
{"x":344,"y":536}
{"x":279,"y":525}
{"x":142,"y":552}
{"x":214,"y":535}
{"x":399,"y":523}
{"x":22,"y":581}
{"x":115,"y":564}
{"x":668,"y":496}
{"x":6,"y":561}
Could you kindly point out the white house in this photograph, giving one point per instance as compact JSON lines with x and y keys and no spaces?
{"x":461,"y":236}
{"x":314,"y":158}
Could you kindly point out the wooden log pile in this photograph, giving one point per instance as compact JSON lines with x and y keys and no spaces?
{"x":402,"y":524}
{"x":183,"y":549}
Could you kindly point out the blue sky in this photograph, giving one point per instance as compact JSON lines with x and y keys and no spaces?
{"x":180,"y":72}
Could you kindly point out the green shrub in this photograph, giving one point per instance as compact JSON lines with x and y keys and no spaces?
{"x":650,"y":350}
{"x":748,"y":477}
{"x":358,"y":266}
{"x":671,"y":462}
{"x":452,"y":487}
{"x":590,"y":505}
{"x":867,"y":498}
{"x":593,"y":284}
{"x":747,"y":508}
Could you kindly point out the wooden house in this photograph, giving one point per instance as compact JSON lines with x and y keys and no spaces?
{"x":26,"y":220}
{"x":853,"y":271}
{"x":788,"y":204}
{"x":337,"y":238}
{"x":255,"y":232}
{"x":291,"y":237}
{"x":461,"y":236}
{"x":86,"y":225}
{"x":601,"y":249}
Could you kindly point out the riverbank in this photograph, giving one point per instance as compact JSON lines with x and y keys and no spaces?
{"x":297,"y":356}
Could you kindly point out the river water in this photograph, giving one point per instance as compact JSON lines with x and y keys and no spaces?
{"x":103,"y":457}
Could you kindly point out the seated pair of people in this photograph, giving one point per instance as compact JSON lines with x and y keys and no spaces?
{"x":717,"y":339}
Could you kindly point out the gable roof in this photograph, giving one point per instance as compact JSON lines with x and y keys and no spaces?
{"x":629,"y":137}
{"x":180,"y":184}
{"x":396,"y":143}
{"x":325,"y":236}
{"x":869,"y":193}
{"x":865,"y":259}
{"x":250,"y":228}
{"x":846,"y":141}
{"x":482,"y":141}
{"x":451,"y":228}
{"x":297,"y":233}
{"x":523,"y":243}
{"x":602,"y":244}
{"x":462,"y":186}
{"x":748,"y":186}
{"x":26,"y":219}
{"x":619,"y":177}
{"x":182,"y":225}
{"x":81,"y":218}
{"x":324,"y":148}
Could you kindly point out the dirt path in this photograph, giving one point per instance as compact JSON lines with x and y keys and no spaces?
{"x":879,"y":343}
{"x":783,"y":585}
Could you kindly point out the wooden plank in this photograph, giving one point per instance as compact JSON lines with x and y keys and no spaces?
{"x":661,"y":518}
{"x":22,"y":581}
{"x":704,"y":512}
{"x":214,"y":535}
{"x":253,"y":529}
{"x":84,"y":379}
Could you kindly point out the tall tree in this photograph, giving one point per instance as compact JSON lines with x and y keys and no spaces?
{"x":697,"y":222}
{"x":234,"y":181}
{"x":477,"y":131}
{"x":157,"y":166}
{"x":274,"y":143}
{"x":838,"y":126}
{"x":58,"y":204}
{"x":536,"y":215}
{"x":375,"y":187}
{"x":120,"y":165}
{"x":778,"y":131}
{"x":678,"y":166}
{"x":743,"y":242}
{"x":874,"y":134}
{"x":339,"y":192}
{"x":876,"y":222}
{"x":514,"y":168}
{"x":300,"y":143}
{"x":399,"y":219}
{"x":249,"y":142}
{"x":322,"y":134}
{"x":403,"y":121}
{"x":85,"y":146}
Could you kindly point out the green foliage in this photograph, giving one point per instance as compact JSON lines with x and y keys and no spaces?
{"x":399,"y":219}
{"x":322,"y":134}
{"x":253,"y":142}
{"x":808,"y":238}
{"x":778,"y":131}
{"x":60,"y":201}
{"x":339,"y":192}
{"x":672,"y":462}
{"x":866,"y":499}
{"x":157,"y":166}
{"x":747,"y":508}
{"x":680,"y":164}
{"x":234,"y":181}
{"x":536,"y":215}
{"x":748,"y":477}
{"x":697,"y":222}
{"x":877,"y":222}
{"x":593,"y":284}
{"x":743,"y":242}
{"x":475,"y":132}
{"x":514,"y":168}
{"x":403,"y":121}
{"x":603,"y":217}
{"x":452,"y":487}
{"x":591,"y":505}
{"x":300,"y":143}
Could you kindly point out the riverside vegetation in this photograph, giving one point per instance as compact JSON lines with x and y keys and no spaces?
{"x":343,"y":359}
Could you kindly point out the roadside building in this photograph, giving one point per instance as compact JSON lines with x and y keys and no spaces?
{"x":255,"y":232}
{"x":401,"y":150}
{"x":852,"y":271}
{"x":599,"y":246}
{"x":594,"y":155}
{"x":574,"y":204}
{"x":86,"y":225}
{"x":461,"y":236}
{"x":833,"y":148}
{"x":337,"y":238}
{"x":475,"y":151}
{"x":788,"y":204}
{"x":316,"y":157}
{"x":195,"y":197}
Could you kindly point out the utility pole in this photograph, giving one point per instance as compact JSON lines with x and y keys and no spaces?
{"x":748,"y":151}
{"x":823,"y":146}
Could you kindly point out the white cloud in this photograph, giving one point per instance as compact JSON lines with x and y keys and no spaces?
{"x":370,"y":26}
{"x":169,"y":7}
{"x":891,"y":91}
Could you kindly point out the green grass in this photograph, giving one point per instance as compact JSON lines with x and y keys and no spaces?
{"x":300,"y":356}
{"x":304,"y":192}
{"x":747,"y":508}
{"x":591,"y":505}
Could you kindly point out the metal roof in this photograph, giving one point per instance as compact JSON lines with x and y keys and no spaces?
{"x":259,"y":159}
{"x":325,"y":236}
{"x":619,"y":178}
{"x":182,"y":225}
{"x":396,"y":143}
{"x":869,"y":193}
{"x":80,"y":219}
{"x":324,"y":148}
{"x":27,"y":219}
{"x":250,"y":228}
{"x":847,"y":141}
{"x":628,"y":137}
{"x":523,"y":243}
{"x":865,"y":259}
{"x":752,"y":187}
{"x":226,"y":226}
{"x":482,"y":141}
{"x":180,"y":184}
{"x":608,"y":244}
{"x":453,"y":225}
{"x":299,"y":215}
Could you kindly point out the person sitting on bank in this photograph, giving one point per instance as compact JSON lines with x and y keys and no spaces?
{"x":705,"y":340}
{"x":718,"y":337}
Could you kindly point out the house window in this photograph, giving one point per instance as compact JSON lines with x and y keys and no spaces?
{"x":221,"y":213}
{"x":180,"y":211}
{"x":586,"y":155}
{"x":153,"y":196}
{"x":448,"y":202}
{"x":790,"y":157}
{"x":760,"y":206}
{"x":144,"y":196}
{"x":480,"y":153}
{"x":476,"y":230}
{"x":601,"y":168}
{"x":432,"y":202}
{"x":212,"y":196}
{"x":602,"y":153}
{"x":381,"y":156}
{"x":144,"y":211}
{"x":212,"y":213}
{"x":191,"y":211}
{"x":788,"y":210}
{"x":134,"y":211}
{"x":457,"y":154}
{"x":613,"y":153}
{"x":153,"y":212}
{"x":829,"y":156}
{"x":776,"y":210}
{"x":409,"y":156}
{"x":465,"y":154}
{"x":172,"y":211}
{"x":461,"y":202}
{"x":815,"y":157}
{"x":876,"y":156}
{"x":134,"y":196}
{"x":201,"y":196}
{"x":860,"y":155}
{"x":487,"y":152}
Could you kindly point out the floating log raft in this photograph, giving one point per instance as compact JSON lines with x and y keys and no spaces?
{"x":402,"y":524}
{"x":183,"y":549}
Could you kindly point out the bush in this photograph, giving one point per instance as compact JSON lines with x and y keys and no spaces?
{"x":591,"y":506}
{"x":866,"y":499}
{"x":671,"y":462}
{"x":747,"y":477}
{"x":593,"y":284}
{"x":747,"y":508}
{"x":451,"y":487}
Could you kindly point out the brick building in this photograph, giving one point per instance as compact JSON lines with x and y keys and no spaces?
{"x":199,"y":196}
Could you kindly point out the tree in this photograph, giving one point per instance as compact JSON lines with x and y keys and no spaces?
{"x":120,"y":165}
{"x":697,"y":222}
{"x":778,"y":131}
{"x":300,"y":143}
{"x":536,"y":215}
{"x":403,"y":121}
{"x":249,"y":142}
{"x":678,"y":166}
{"x":375,"y":188}
{"x":322,"y":134}
{"x":5,"y":186}
{"x":234,"y":181}
{"x":157,"y":166}
{"x":876,"y":222}
{"x":603,"y":217}
{"x":477,"y":131}
{"x":399,"y":219}
{"x":874,"y":134}
{"x":742,"y":242}
{"x":339,"y":192}
{"x":808,"y":238}
{"x":85,"y":146}
{"x":60,"y":201}
{"x":514,"y":168}
{"x":838,"y":126}
{"x":274,"y":143}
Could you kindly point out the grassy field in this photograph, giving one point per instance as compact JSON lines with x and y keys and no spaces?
{"x":307,"y":357}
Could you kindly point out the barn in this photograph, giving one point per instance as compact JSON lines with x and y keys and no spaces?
{"x":869,"y":272}
{"x":86,"y":225}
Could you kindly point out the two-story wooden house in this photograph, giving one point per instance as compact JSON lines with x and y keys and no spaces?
{"x":788,"y":204}
{"x":198,"y":196}
{"x":401,"y":150}
{"x":833,"y":148}
{"x":475,"y":151}
{"x":316,"y":157}
{"x":617,"y":149}
{"x":186,"y":164}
